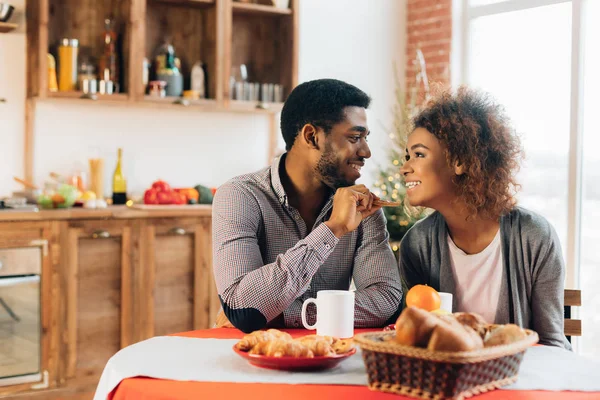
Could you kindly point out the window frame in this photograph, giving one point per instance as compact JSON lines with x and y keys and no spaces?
{"x":462,"y":15}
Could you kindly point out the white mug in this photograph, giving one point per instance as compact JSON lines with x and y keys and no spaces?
{"x":446,"y":301}
{"x":335,"y":313}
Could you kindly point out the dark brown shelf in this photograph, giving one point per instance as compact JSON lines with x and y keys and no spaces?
{"x":6,"y":27}
{"x":259,"y":9}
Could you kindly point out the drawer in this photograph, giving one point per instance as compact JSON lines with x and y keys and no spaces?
{"x":21,"y":261}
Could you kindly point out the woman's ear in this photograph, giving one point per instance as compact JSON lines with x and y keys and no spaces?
{"x":309,"y":136}
{"x":459,"y":168}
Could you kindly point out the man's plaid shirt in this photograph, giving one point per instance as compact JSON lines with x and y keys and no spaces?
{"x":266,"y":262}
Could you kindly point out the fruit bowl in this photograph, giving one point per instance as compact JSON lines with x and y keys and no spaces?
{"x":64,"y":197}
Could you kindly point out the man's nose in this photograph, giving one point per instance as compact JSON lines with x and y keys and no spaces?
{"x":364,"y":151}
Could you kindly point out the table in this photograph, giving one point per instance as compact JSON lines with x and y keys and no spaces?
{"x":160,"y":389}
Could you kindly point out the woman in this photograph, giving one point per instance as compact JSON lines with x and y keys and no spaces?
{"x":499,"y":260}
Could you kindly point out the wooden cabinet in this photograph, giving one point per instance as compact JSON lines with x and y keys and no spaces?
{"x":175,"y":265}
{"x":109,"y":282}
{"x":96,"y":257}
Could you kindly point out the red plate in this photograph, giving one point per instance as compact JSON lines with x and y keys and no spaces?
{"x":294,"y":363}
{"x":390,"y":327}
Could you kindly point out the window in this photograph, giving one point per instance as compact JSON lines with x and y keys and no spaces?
{"x":533,"y":57}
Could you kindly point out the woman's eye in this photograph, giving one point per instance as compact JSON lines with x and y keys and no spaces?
{"x":419,"y":155}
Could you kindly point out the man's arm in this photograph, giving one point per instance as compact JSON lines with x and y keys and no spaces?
{"x":376,"y":277}
{"x":253,"y":293}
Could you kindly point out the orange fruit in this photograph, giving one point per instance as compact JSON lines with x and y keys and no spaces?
{"x":423,"y":296}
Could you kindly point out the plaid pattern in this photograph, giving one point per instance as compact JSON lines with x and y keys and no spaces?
{"x":265,"y":258}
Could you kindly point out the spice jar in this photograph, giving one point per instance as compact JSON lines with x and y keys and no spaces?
{"x":157,"y":88}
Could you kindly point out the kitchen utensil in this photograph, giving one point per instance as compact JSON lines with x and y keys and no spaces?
{"x":25,"y":183}
{"x":6,"y":11}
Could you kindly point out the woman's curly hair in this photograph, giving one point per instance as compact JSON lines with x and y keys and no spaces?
{"x":478,"y":135}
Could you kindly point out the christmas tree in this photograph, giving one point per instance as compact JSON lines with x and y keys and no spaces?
{"x":389,"y":184}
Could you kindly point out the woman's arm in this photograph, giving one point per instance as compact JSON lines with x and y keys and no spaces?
{"x":547,"y":295}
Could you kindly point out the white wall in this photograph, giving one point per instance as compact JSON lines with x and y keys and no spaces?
{"x":352,"y":40}
{"x":12,"y":112}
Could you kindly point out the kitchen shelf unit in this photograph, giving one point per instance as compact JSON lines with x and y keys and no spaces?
{"x":220,"y":33}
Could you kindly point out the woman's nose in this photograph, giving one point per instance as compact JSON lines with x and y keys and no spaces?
{"x":405,"y":168}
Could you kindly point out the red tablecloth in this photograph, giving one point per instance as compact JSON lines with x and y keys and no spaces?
{"x":160,"y":389}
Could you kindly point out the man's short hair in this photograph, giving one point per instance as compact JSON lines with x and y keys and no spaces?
{"x":321,"y":103}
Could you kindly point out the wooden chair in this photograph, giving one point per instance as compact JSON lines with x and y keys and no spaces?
{"x":572,"y":326}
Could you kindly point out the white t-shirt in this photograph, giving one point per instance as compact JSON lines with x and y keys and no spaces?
{"x":478,"y":278}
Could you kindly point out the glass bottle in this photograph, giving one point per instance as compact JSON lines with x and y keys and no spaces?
{"x":119,"y":182}
{"x":109,"y":62}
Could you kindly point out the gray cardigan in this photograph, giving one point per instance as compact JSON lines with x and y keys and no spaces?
{"x":532,"y":288}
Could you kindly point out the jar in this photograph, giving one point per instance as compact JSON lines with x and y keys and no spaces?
{"x":67,"y":65}
{"x":157,"y":88}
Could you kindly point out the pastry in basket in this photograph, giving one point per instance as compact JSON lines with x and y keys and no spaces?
{"x":414,"y":327}
{"x":252,"y":339}
{"x":281,"y":347}
{"x":504,"y":334}
{"x":474,"y":321}
{"x":451,"y":335}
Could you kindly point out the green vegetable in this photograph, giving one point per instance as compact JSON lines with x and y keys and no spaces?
{"x":205,"y":195}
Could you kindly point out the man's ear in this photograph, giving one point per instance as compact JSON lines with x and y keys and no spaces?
{"x":309,"y":136}
{"x":459,"y":168}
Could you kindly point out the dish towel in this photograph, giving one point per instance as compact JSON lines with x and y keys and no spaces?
{"x":213,"y":360}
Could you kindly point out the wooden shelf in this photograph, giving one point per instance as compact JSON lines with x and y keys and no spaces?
{"x":6,"y":27}
{"x":78,"y":95}
{"x":253,"y":107}
{"x":260,"y":9}
{"x":166,"y":103}
{"x":189,"y":3}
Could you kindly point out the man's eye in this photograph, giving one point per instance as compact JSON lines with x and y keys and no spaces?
{"x":354,"y":139}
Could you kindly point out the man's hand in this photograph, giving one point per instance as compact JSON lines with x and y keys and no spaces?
{"x":351,"y":205}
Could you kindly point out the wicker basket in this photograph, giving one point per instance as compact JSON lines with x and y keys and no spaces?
{"x":425,"y":374}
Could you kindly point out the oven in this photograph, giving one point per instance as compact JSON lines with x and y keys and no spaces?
{"x":20,"y":312}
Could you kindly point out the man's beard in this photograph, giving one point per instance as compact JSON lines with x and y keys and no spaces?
{"x":329,"y":169}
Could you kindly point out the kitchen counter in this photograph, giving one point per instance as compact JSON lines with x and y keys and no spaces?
{"x":111,"y":212}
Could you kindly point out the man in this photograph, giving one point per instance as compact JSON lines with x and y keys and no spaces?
{"x":302,"y":225}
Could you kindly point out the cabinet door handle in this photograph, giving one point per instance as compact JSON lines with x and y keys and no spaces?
{"x":100,"y":235}
{"x":177,"y":231}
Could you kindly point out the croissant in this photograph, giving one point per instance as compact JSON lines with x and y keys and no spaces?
{"x":319,"y":345}
{"x":282,"y":348}
{"x":252,"y":339}
{"x":342,"y":346}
